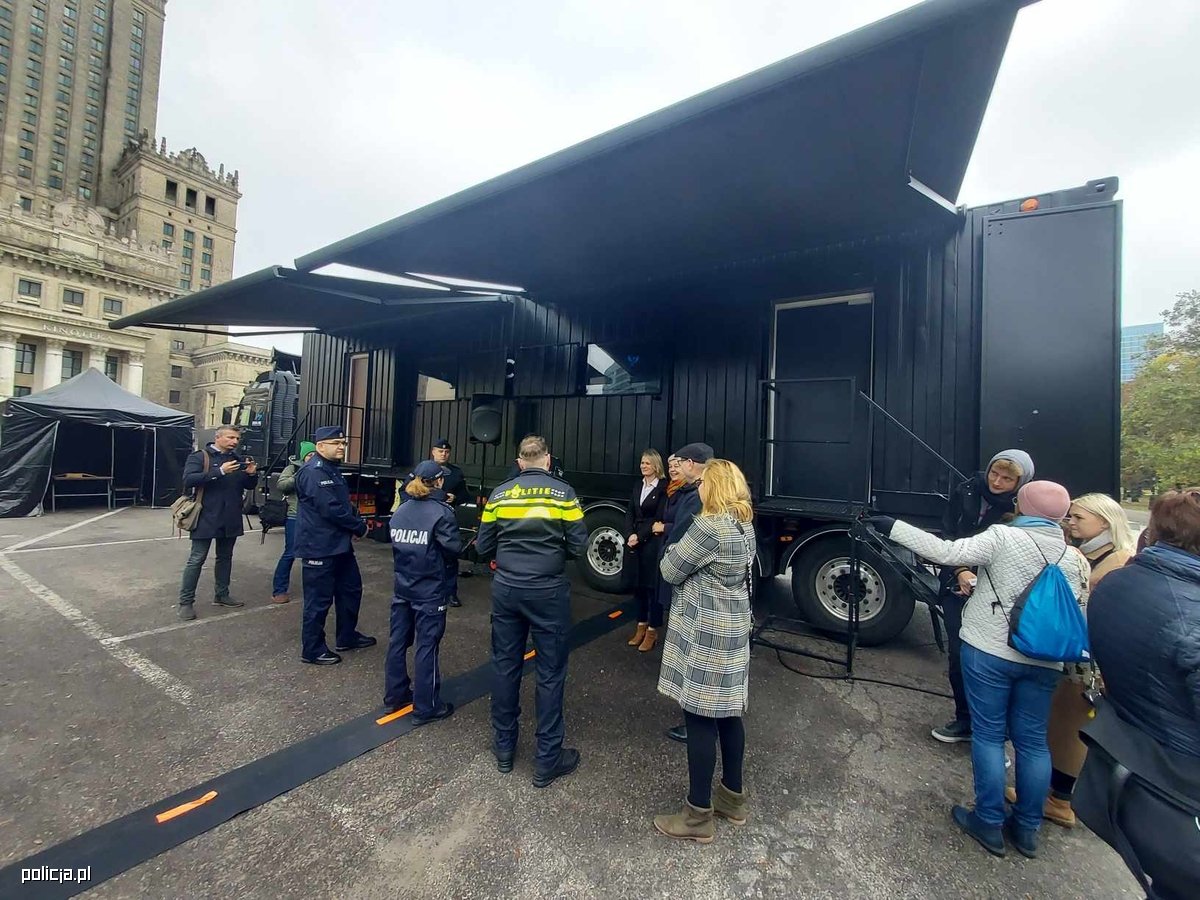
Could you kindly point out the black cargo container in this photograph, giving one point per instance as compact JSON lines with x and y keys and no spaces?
{"x":739,"y":269}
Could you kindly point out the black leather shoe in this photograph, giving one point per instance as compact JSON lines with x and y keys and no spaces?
{"x":504,"y":760}
{"x":388,"y":708}
{"x":187,"y":612}
{"x":228,"y":602}
{"x":445,"y":711}
{"x":455,"y":602}
{"x":325,"y":659}
{"x":678,"y":733}
{"x":568,"y":762}
{"x":360,"y":642}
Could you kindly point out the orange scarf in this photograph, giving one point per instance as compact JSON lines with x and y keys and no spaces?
{"x":674,"y":486}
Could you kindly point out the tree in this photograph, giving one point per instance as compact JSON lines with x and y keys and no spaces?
{"x":1183,"y":327}
{"x":1160,"y":427}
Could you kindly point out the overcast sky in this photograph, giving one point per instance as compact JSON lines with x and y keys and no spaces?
{"x":341,"y":114}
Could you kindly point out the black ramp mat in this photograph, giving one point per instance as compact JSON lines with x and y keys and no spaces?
{"x":83,"y":862}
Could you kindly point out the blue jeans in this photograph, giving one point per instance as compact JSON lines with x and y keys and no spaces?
{"x":283,"y":568}
{"x":544,"y":613}
{"x":1008,"y":700}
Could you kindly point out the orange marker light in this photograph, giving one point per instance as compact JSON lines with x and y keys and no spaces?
{"x":615,"y":614}
{"x":531,"y":654}
{"x":184,"y":808}
{"x":1030,"y":205}
{"x":392,"y":717}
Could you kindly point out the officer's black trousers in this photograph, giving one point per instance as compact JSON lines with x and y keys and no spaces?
{"x":952,"y":610}
{"x":330,"y":581}
{"x":421,"y":625}
{"x":544,"y":613}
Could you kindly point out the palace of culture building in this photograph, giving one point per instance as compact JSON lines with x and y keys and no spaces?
{"x":97,"y":218}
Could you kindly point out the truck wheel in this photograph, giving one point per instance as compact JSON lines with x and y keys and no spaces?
{"x":603,"y":563}
{"x":820,"y":588}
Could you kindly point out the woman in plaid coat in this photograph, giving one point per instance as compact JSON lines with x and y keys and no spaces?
{"x":706,"y":656}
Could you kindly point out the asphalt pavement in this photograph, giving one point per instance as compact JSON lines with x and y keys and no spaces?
{"x":110,"y":703}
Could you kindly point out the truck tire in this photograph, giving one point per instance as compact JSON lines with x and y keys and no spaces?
{"x":820,"y":574}
{"x":603,"y":562}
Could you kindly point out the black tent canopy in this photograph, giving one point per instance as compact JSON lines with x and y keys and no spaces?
{"x":93,"y":426}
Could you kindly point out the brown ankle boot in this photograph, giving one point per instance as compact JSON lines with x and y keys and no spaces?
{"x":729,"y":805}
{"x":649,"y":640}
{"x":642,"y":628}
{"x":692,"y":824}
{"x":1058,"y":811}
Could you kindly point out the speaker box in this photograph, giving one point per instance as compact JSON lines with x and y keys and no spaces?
{"x":485,"y":418}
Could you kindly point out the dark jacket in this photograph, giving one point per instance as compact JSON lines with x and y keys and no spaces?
{"x":678,"y":511}
{"x":639,"y":519}
{"x":221,"y":506}
{"x":424,"y":538}
{"x":1144,"y":627}
{"x":325,"y":519}
{"x":532,"y":525}
{"x":967,"y":514}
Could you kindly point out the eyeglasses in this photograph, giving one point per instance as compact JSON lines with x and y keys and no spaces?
{"x":336,"y":442}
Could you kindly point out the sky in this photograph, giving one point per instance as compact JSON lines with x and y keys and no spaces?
{"x":341,"y":115}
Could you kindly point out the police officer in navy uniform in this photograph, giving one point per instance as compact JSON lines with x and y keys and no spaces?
{"x":532,"y":525}
{"x":424,"y":537}
{"x":325,"y":524}
{"x":453,"y":492}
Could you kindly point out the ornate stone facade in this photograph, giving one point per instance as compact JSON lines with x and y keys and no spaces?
{"x":221,"y":372}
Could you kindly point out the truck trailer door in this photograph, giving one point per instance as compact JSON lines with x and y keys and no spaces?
{"x":1050,"y":369}
{"x":817,"y":429}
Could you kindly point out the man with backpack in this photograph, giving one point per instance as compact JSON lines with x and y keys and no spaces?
{"x":217,"y":474}
{"x":1008,"y":691}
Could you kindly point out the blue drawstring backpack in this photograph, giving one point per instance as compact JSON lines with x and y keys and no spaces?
{"x":1046,"y":622}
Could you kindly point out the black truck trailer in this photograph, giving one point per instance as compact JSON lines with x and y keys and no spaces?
{"x":774,"y":267}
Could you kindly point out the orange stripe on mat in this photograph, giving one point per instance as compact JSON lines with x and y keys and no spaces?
{"x":531,"y":654}
{"x":615,"y":614}
{"x":184,"y":808}
{"x":392,"y":717}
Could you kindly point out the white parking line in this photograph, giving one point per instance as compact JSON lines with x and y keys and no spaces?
{"x":140,"y":665}
{"x":96,"y":544}
{"x":44,"y":537}
{"x":108,"y":641}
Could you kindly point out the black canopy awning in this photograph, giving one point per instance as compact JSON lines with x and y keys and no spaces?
{"x":866,"y":134}
{"x":283,"y":298}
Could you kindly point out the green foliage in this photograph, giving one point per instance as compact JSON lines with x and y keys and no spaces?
{"x":1183,"y":327}
{"x":1160,"y":427}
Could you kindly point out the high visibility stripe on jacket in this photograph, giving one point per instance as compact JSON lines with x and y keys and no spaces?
{"x":570,"y":512}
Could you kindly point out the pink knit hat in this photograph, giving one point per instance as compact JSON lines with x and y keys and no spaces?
{"x":1044,"y":498}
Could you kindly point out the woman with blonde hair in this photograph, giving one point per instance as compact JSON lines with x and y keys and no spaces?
{"x":642,"y":547}
{"x":706,"y":654}
{"x":1099,"y":526}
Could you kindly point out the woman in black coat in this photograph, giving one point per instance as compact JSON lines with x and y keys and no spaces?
{"x":642,"y":548}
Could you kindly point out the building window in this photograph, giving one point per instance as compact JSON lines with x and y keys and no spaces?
{"x":31,"y":100}
{"x":112,"y":367}
{"x":72,"y":363}
{"x":168,"y":229}
{"x":173,"y":397}
{"x":190,"y":200}
{"x":68,"y":30}
{"x":24,"y":172}
{"x":206,"y":258}
{"x":21,"y":390}
{"x":35,"y":47}
{"x":189,"y":236}
{"x":72,"y":297}
{"x":97,"y":28}
{"x":26,"y":358}
{"x":29,"y":117}
{"x":186,"y":269}
{"x":64,"y":79}
{"x":58,"y":146}
{"x":184,"y":284}
{"x":167,"y":245}
{"x":25,"y":153}
{"x":98,"y":45}
{"x":206,"y":274}
{"x":187,"y":251}
{"x":37,"y":30}
{"x":130,"y":126}
{"x":139,"y":16}
{"x":66,"y":45}
{"x":28,"y":136}
{"x":176,"y":371}
{"x":172,"y":193}
{"x":85,"y":193}
{"x":56,"y":165}
{"x":27,"y":204}
{"x":54,"y":182}
{"x":38,"y":13}
{"x":210,"y":206}
{"x":28,"y":288}
{"x":113,"y":306}
{"x":176,"y":345}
